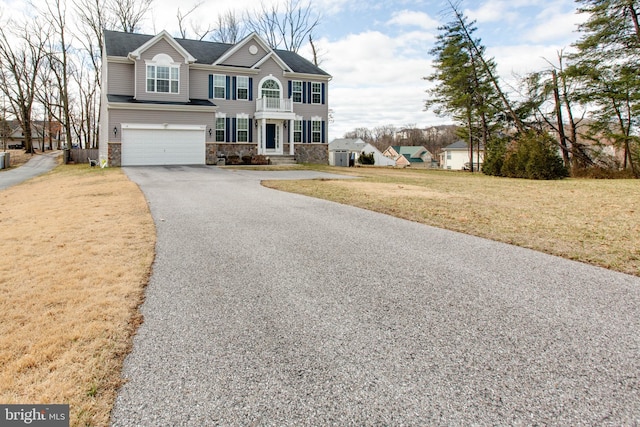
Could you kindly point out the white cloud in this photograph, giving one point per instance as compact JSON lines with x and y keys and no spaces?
{"x":407,"y":18}
{"x":375,"y":82}
{"x":554,"y":25}
{"x":493,"y":11}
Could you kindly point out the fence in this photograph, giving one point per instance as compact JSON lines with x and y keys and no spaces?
{"x":82,"y":155}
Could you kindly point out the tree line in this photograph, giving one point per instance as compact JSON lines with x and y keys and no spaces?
{"x":51,"y":56}
{"x":565,"y":116}
{"x":433,"y":138}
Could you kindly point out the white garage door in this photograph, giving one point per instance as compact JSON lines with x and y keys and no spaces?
{"x":163,"y":147}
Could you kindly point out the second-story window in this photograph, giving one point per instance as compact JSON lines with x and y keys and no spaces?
{"x":242,"y":91}
{"x":296,"y":91}
{"x":162,"y":79}
{"x":219,"y":86}
{"x":316,"y":93}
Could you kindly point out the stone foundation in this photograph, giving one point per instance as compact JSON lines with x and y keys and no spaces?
{"x":228,"y":149}
{"x":311,"y":153}
{"x":114,"y":154}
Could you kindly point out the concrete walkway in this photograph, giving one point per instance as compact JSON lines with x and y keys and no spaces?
{"x":273,"y":309}
{"x":37,"y":165}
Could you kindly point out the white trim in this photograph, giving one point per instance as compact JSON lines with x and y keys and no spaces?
{"x":151,"y":126}
{"x":240,"y":45}
{"x":188,"y":59}
{"x":222,"y":69}
{"x":276,"y":58}
{"x":161,"y":107}
{"x":270,"y":77}
{"x":290,"y":75}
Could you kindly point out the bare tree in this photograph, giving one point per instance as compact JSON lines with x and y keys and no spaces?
{"x":129,"y":13}
{"x":230,"y":28}
{"x":197,"y":30}
{"x":59,"y":62}
{"x":94,"y":18}
{"x":22,"y":53}
{"x":289,"y":28}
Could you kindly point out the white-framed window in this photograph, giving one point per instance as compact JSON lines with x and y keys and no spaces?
{"x":220,"y":128}
{"x":316,"y":131}
{"x":448,"y":155}
{"x":242,"y":87}
{"x":163,"y":77}
{"x":316,"y":93}
{"x":242,"y":128}
{"x":296,"y":91}
{"x":297,"y":130}
{"x":219,"y":86}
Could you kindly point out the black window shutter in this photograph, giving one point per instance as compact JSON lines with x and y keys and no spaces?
{"x":234,"y":84}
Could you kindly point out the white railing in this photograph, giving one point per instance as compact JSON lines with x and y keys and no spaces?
{"x":274,"y":104}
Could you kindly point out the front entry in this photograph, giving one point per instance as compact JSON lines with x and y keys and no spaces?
{"x":270,"y":137}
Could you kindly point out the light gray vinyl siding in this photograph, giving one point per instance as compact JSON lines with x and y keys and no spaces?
{"x":271,"y":67}
{"x":120,"y":78}
{"x":199,"y":84}
{"x":116,"y":117}
{"x":162,"y":47}
{"x":244,"y":58}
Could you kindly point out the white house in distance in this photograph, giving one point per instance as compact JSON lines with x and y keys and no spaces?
{"x":456,"y":156}
{"x":341,"y":151}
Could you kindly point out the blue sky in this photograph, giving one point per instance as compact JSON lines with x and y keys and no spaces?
{"x":378,"y":52}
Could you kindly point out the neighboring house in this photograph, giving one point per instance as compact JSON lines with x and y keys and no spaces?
{"x":177,"y":101}
{"x":51,"y":130}
{"x":345,"y":152}
{"x":456,"y":156}
{"x":413,"y":155}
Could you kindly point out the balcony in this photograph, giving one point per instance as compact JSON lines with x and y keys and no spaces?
{"x":274,"y":105}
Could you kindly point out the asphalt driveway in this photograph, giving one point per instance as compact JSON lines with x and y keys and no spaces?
{"x":271,"y":309}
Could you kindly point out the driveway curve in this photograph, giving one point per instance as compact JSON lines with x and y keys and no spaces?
{"x":273,"y":309}
{"x":37,"y":165}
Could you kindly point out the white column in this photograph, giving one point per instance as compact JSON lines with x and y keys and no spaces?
{"x":292,"y":150}
{"x":263,"y":135}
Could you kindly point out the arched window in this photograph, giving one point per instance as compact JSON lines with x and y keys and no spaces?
{"x":270,"y":89}
{"x":163,"y":75}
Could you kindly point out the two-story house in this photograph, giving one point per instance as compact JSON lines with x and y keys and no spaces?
{"x":170,"y":101}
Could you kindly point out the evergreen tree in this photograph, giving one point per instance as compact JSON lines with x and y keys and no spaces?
{"x":608,"y":62}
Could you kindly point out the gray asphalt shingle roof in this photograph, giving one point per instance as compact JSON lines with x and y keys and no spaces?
{"x":121,"y":44}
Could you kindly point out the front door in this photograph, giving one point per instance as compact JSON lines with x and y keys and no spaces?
{"x":270,"y":140}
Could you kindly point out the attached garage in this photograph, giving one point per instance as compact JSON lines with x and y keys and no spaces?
{"x":145,"y":145}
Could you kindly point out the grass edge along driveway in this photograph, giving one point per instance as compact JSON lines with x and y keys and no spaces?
{"x":77,"y":248}
{"x":587,"y":220}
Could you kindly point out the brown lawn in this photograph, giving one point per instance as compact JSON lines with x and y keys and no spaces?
{"x":77,"y":247}
{"x":588,"y":220}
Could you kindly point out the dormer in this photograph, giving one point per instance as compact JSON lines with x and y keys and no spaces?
{"x":161,"y":70}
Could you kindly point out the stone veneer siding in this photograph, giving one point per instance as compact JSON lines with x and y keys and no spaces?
{"x":305,"y":153}
{"x":114,"y":154}
{"x":311,"y":153}
{"x":229,"y":149}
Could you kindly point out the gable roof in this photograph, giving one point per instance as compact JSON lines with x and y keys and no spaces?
{"x":120,"y":44}
{"x":411,"y":151}
{"x":458,"y":145}
{"x":347,"y":144}
{"x":167,"y":37}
